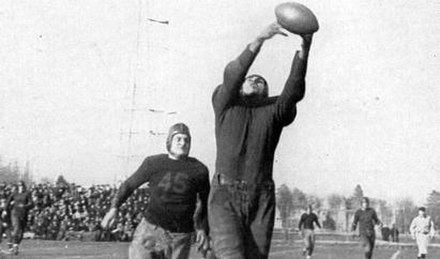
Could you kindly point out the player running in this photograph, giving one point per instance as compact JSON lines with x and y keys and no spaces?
{"x":176,"y":181}
{"x":366,"y":217}
{"x":306,"y":228}
{"x":17,"y":206}
{"x":422,"y":230}
{"x":248,"y":125}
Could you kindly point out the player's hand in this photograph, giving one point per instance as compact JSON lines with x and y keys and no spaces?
{"x":413,"y":237}
{"x":307,"y":40}
{"x":4,"y":213}
{"x":109,"y":218}
{"x":202,"y":240}
{"x":272,"y":30}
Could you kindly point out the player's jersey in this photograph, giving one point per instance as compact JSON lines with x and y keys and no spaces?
{"x":367,"y":219}
{"x":173,"y":188}
{"x":19,"y":203}
{"x":307,"y":220}
{"x":247,"y":132}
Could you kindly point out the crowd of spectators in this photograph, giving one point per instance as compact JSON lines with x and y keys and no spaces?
{"x":72,"y":212}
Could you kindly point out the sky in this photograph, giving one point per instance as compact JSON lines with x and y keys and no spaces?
{"x":370,"y":115}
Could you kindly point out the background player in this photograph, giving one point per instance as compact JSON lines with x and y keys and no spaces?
{"x":306,"y":228}
{"x":422,"y":230}
{"x":17,"y":206}
{"x":366,"y":217}
{"x":175,"y":181}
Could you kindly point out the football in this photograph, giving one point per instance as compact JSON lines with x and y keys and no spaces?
{"x":296,"y":18}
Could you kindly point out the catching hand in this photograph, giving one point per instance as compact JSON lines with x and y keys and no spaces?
{"x":272,"y":30}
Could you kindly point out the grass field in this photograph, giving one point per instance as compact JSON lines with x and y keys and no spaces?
{"x":280,"y":250}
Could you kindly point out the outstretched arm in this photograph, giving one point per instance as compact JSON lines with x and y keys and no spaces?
{"x":124,"y":191}
{"x":295,"y":86}
{"x":235,"y":72}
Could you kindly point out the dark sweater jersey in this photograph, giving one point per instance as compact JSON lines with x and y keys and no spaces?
{"x":173,"y":187}
{"x":248,"y":133}
{"x":19,"y":204}
{"x":307,"y":221}
{"x":366,"y":219}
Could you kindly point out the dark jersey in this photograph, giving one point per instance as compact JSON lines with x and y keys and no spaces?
{"x":366,"y":219}
{"x":173,"y":187}
{"x":307,"y":220}
{"x":247,"y":133}
{"x":19,"y":204}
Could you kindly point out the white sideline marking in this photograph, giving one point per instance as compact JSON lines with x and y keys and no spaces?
{"x":395,"y":255}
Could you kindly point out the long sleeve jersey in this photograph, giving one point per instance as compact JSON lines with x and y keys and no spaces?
{"x":308,"y":220}
{"x":173,"y":186}
{"x":366,"y":219}
{"x":247,"y":133}
{"x":19,"y":203}
{"x":422,"y":225}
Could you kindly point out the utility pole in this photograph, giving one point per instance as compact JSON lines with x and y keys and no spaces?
{"x":140,"y":115}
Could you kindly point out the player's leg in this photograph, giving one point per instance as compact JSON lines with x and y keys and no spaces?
{"x":422,"y":243}
{"x":22,"y":227}
{"x":370,"y":247}
{"x":148,"y":242}
{"x":366,"y":244}
{"x":225,"y":223}
{"x":306,"y":239}
{"x":181,"y":245}
{"x":19,"y":232}
{"x":312,"y":242}
{"x":15,"y":232}
{"x":262,"y":217}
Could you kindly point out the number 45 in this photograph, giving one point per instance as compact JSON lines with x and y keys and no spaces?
{"x":175,"y":183}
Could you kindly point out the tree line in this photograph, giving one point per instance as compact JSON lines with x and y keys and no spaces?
{"x":336,"y":210}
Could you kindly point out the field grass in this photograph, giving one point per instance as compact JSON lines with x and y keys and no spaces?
{"x":280,"y":250}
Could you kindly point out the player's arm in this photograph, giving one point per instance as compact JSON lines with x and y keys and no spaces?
{"x":295,"y":86}
{"x":125,"y":190}
{"x":376,"y":220}
{"x":431,"y":229}
{"x":236,"y":70}
{"x":317,"y":222}
{"x":29,"y":203}
{"x":9,"y":203}
{"x":412,"y":227}
{"x":301,"y":222}
{"x":201,"y":217}
{"x":355,"y":221}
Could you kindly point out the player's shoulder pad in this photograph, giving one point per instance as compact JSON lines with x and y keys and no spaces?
{"x":156,"y":157}
{"x":199,"y":165}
